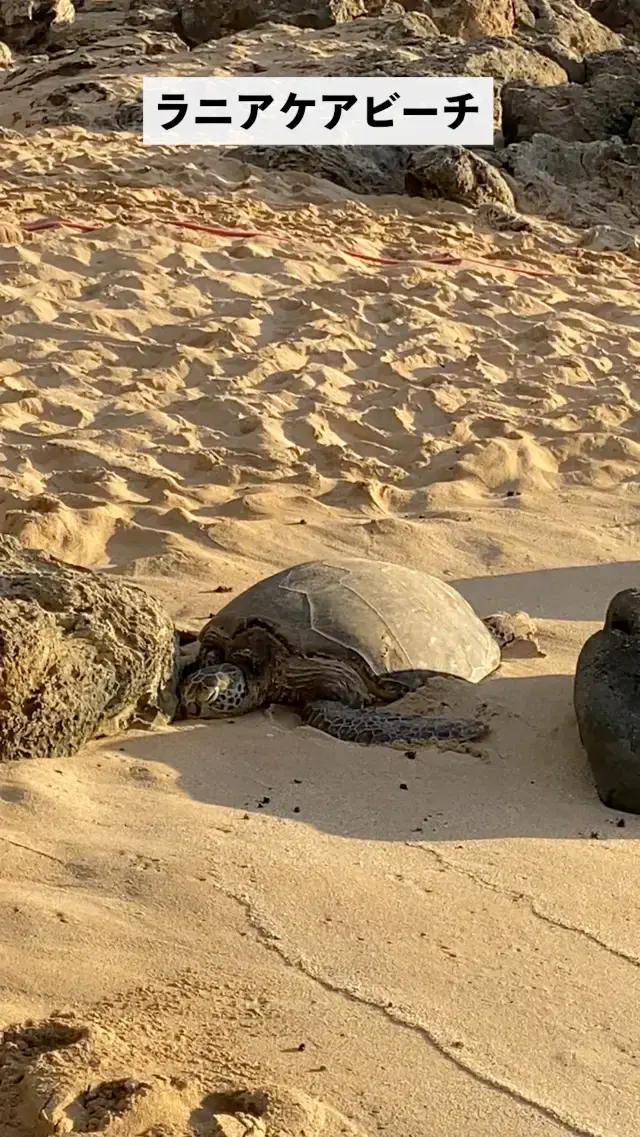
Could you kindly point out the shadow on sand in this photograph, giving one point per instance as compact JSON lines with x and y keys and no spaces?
{"x":530,"y":778}
{"x":580,"y":592}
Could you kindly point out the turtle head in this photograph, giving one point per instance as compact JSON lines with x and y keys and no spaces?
{"x":215,"y":692}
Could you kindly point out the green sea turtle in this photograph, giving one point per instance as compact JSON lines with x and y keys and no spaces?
{"x":606,"y":698}
{"x":339,"y":641}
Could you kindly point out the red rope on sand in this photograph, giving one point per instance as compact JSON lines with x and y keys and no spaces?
{"x":222,"y":231}
{"x":219,"y":231}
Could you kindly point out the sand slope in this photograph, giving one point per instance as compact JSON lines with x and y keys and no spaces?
{"x":460,"y":956}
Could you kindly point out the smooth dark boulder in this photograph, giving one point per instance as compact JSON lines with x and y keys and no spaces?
{"x":82,"y":655}
{"x":606,"y":698}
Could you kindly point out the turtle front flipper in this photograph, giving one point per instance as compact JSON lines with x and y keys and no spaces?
{"x":371,"y":727}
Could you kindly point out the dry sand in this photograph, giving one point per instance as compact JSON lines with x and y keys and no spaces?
{"x":444,"y":946}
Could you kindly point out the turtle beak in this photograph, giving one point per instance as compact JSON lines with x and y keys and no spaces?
{"x":198,"y":695}
{"x":211,"y":693}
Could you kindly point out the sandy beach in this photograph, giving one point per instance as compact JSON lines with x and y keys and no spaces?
{"x":438,"y":946}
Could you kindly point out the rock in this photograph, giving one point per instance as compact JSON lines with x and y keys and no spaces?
{"x":621,"y":16}
{"x":600,"y":109}
{"x":473,"y":19}
{"x":386,"y":8}
{"x":126,"y":116}
{"x":6,"y":57}
{"x":359,"y":169}
{"x":523,"y":16}
{"x":398,"y":7}
{"x":605,"y":698}
{"x":606,"y":239}
{"x":569,"y":60}
{"x":626,"y":61}
{"x":576,"y":182}
{"x":411,"y":25}
{"x":456,"y":174}
{"x":504,"y":220}
{"x":400,"y":46}
{"x":28,"y":23}
{"x":573,"y":26}
{"x":407,"y":45}
{"x":82,"y":655}
{"x":154,"y":17}
{"x":203,"y":20}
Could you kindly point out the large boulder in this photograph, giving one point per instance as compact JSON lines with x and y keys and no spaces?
{"x":82,"y":655}
{"x":578,"y":183}
{"x":456,"y":174}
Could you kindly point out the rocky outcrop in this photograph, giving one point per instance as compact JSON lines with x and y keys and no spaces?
{"x":82,"y":655}
{"x":30,"y":23}
{"x":603,"y":108}
{"x":456,"y":174}
{"x":550,"y":84}
{"x":626,"y":61}
{"x":359,"y":169}
{"x":380,"y":46}
{"x":579,"y":183}
{"x":202,"y":20}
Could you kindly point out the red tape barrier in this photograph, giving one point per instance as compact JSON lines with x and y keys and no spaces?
{"x":221,"y":231}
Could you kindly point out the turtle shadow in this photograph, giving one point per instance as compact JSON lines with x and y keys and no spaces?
{"x":530,"y":778}
{"x":579,"y":592}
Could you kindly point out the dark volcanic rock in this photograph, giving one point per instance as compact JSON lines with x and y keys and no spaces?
{"x":604,"y":108}
{"x":607,"y":708}
{"x":81,"y":655}
{"x":626,"y":61}
{"x":579,"y":183}
{"x":359,"y":169}
{"x":621,"y":16}
{"x":456,"y":174}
